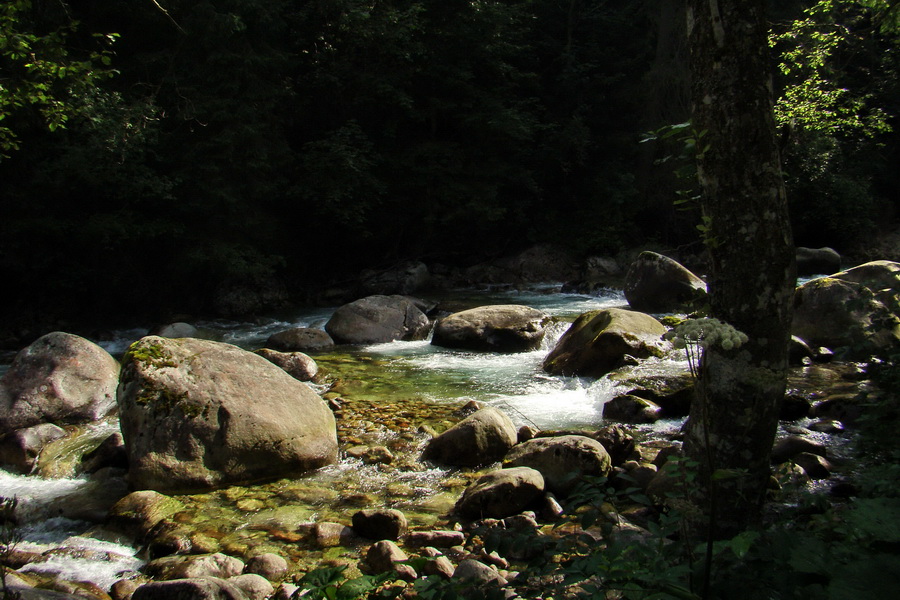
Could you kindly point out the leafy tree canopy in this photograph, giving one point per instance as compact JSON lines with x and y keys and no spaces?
{"x":821,"y":94}
{"x":40,"y":70}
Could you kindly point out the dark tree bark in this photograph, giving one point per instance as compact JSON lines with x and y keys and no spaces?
{"x":734,"y":418}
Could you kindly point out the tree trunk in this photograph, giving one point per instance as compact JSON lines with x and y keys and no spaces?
{"x":751,"y":281}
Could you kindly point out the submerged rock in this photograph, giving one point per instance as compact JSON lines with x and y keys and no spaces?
{"x":598,"y":342}
{"x":197,"y":414}
{"x":500,"y":328}
{"x":62,"y":379}
{"x":378,"y":319}
{"x":139,"y":512}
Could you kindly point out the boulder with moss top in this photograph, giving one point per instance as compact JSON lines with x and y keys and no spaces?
{"x":197,"y":414}
{"x":599,"y":342}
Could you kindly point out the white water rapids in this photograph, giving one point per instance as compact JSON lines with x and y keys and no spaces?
{"x":514,"y":383}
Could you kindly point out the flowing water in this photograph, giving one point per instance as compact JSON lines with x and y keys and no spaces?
{"x":389,"y":395}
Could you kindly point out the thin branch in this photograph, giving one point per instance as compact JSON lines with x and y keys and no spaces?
{"x":168,"y":16}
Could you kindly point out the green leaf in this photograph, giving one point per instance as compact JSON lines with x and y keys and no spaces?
{"x":876,"y":517}
{"x":742,"y":543}
{"x":872,"y":578}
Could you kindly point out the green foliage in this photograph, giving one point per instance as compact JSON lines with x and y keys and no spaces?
{"x":837,"y":104}
{"x":41,"y":71}
{"x":815,"y":97}
{"x":330,"y":583}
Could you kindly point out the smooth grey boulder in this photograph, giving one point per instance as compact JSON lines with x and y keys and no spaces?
{"x":563,"y":461}
{"x":300,"y":339}
{"x":817,"y":261}
{"x":500,"y":493}
{"x":296,"y":364}
{"x":496,"y":328}
{"x":598,"y":342}
{"x":483,"y":437}
{"x":197,"y":414}
{"x":60,"y":378}
{"x":378,"y":319}
{"x":657,"y":283}
{"x":200,"y":588}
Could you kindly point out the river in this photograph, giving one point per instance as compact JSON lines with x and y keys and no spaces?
{"x":389,"y":394}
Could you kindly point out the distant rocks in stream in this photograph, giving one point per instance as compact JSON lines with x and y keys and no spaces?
{"x":300,"y":339}
{"x":499,"y":328}
{"x":197,"y":414}
{"x":378,"y":319}
{"x":817,"y":261}
{"x":657,"y":283}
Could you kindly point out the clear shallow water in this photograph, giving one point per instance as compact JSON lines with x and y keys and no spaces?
{"x":387,"y":392}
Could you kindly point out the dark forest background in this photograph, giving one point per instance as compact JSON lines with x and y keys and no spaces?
{"x":279,"y":143}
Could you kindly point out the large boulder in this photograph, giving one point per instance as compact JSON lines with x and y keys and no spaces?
{"x":60,"y":378}
{"x":563,"y":461}
{"x":483,"y":437}
{"x":657,"y":283}
{"x":197,"y":414}
{"x":881,"y":277}
{"x":500,"y":494}
{"x":817,"y":261}
{"x":498,"y":328}
{"x":300,"y":339}
{"x":598,"y":341}
{"x":843,"y":312}
{"x":378,"y":319}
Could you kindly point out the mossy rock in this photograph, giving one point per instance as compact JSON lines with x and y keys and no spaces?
{"x":599,"y":341}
